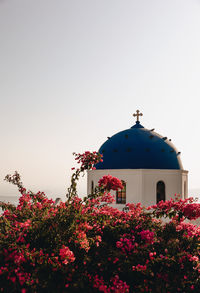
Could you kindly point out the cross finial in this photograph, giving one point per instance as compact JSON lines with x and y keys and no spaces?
{"x":138,"y":114}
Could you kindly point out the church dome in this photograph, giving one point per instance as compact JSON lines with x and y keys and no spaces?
{"x":139,"y":148}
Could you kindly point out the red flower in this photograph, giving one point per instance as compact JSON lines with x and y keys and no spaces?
{"x":88,"y":160}
{"x":66,"y":255}
{"x":108,"y":182}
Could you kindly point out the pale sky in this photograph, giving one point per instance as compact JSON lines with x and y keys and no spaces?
{"x":73,"y":72}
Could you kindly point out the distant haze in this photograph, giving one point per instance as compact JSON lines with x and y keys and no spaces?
{"x":73,"y":72}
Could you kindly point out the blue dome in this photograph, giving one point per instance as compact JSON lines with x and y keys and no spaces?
{"x":139,"y":148}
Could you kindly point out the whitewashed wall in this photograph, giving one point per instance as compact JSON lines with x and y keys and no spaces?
{"x":141,"y":183}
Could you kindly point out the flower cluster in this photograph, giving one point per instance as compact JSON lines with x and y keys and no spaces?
{"x":109,"y":182}
{"x":191,"y":211}
{"x":183,"y":208}
{"x":116,"y":285}
{"x":127,"y":243}
{"x":66,"y":255}
{"x":147,"y":235}
{"x":88,"y":159}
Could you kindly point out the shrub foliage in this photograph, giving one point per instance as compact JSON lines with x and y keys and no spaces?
{"x":85,"y":245}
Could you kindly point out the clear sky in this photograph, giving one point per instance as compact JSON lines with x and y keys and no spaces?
{"x":73,"y":72}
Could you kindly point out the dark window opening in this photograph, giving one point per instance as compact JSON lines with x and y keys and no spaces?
{"x":185,"y":189}
{"x":92,"y":187}
{"x":160,"y":191}
{"x":121,"y":194}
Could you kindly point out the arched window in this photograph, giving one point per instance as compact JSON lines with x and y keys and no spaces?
{"x":92,"y":187}
{"x":160,"y":191}
{"x":121,"y":194}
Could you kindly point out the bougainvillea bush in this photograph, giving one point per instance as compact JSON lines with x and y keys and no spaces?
{"x":85,"y":245}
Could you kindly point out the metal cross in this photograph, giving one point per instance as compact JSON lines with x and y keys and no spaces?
{"x":137,"y":115}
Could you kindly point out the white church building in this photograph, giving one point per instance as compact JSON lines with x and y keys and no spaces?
{"x":148,"y":164}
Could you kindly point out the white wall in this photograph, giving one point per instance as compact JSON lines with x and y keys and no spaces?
{"x":141,"y":183}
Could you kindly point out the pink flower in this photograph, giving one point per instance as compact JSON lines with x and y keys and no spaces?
{"x":147,"y":235}
{"x":88,"y":160}
{"x":66,"y":255}
{"x":192,"y":211}
{"x":25,"y":224}
{"x":139,"y":268}
{"x":108,"y":182}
